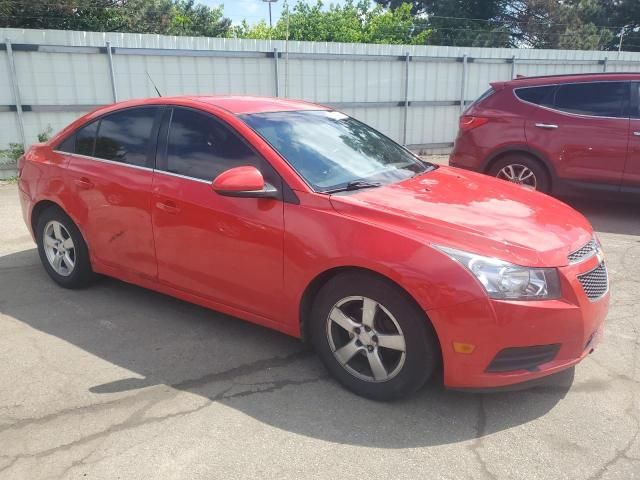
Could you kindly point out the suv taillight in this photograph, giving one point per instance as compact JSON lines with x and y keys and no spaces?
{"x":469,"y":122}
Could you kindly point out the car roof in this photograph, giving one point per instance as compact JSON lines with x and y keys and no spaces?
{"x":569,"y":78}
{"x":234,"y":104}
{"x":241,"y":104}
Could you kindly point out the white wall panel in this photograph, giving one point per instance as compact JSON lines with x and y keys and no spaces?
{"x":70,"y":78}
{"x":9,"y":130}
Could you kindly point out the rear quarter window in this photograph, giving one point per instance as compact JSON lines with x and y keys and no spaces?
{"x":483,"y":97}
{"x":81,"y":141}
{"x":542,"y":96}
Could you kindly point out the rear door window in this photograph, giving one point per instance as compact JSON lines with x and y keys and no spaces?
{"x":125,"y":136}
{"x":599,"y":99}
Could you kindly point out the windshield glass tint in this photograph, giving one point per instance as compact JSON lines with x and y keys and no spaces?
{"x":330,"y":150}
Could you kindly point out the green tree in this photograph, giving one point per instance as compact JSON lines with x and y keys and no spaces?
{"x":625,"y":16}
{"x":572,"y":24}
{"x":459,"y":22}
{"x":170,"y":17}
{"x":352,"y":22}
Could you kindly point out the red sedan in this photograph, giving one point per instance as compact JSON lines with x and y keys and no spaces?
{"x":304,"y":220}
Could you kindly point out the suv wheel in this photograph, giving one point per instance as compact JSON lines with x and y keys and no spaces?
{"x":522,"y":170}
{"x":372,"y":338}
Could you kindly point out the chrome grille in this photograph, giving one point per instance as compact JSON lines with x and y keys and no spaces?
{"x":595,"y":283}
{"x":588,"y":250}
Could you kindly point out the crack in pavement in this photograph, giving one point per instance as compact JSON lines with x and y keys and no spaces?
{"x":630,"y":411}
{"x":623,"y":452}
{"x":189,"y":384}
{"x":481,"y":428}
{"x":129,"y":424}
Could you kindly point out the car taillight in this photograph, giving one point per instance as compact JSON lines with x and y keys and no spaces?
{"x":469,"y":122}
{"x":19,"y":165}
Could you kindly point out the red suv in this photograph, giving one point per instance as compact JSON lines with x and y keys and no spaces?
{"x":561,"y":134}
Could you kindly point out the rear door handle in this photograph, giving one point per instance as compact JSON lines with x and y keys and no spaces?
{"x":168,"y":206}
{"x":637,"y":134}
{"x":547,"y":126}
{"x":84,"y":183}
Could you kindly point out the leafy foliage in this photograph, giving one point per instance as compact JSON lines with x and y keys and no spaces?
{"x":10,"y":155}
{"x":574,"y":24}
{"x":351,"y":22}
{"x":168,"y":17}
{"x":567,"y":24}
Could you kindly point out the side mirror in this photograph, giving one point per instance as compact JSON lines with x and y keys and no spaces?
{"x":245,"y":182}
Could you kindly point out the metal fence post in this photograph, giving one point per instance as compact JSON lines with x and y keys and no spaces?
{"x":16,"y":92}
{"x":407,"y":59}
{"x":604,"y":64}
{"x":513,"y":67}
{"x":277,"y":73}
{"x":112,"y":73}
{"x":463,"y":83}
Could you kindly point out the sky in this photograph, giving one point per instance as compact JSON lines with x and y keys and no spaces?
{"x":255,"y":10}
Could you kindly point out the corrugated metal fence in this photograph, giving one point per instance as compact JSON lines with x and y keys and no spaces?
{"x":412,"y":93}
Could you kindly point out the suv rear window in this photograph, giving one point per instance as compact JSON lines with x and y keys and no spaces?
{"x":482,"y":97}
{"x":538,"y":95}
{"x":600,"y":99}
{"x":597,"y":99}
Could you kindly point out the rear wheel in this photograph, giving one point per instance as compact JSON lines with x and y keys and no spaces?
{"x":372,"y":337}
{"x":62,"y":249}
{"x":522,"y":170}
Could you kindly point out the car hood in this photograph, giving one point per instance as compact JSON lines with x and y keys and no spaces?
{"x":473,"y":212}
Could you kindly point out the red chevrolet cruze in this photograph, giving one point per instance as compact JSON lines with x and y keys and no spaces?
{"x":301,"y":219}
{"x":562,"y":134}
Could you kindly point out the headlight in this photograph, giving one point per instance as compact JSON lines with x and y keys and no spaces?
{"x":506,"y":281}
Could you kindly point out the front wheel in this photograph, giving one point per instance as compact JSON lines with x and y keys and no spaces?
{"x":372,"y":337}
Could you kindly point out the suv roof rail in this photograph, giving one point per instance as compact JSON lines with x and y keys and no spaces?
{"x":592,"y":74}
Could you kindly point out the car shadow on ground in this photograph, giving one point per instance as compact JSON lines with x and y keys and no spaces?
{"x":163,"y":341}
{"x":609,"y":216}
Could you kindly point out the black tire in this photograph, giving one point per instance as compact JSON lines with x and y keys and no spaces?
{"x":81,"y":275}
{"x":543,"y":182}
{"x":422,"y":351}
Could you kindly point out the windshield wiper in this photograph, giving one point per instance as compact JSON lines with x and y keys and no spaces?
{"x":353,"y":185}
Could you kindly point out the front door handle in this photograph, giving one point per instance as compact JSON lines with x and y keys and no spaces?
{"x":637,"y":134}
{"x":547,"y":126}
{"x":84,"y":183}
{"x":168,"y":206}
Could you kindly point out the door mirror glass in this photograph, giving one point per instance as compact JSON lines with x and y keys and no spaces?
{"x":243,"y":181}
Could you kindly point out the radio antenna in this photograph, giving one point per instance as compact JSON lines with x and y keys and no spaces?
{"x":154,"y":85}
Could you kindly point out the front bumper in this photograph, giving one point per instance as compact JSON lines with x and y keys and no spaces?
{"x":574,"y":322}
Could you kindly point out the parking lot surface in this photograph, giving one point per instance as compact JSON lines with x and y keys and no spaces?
{"x":119,"y":382}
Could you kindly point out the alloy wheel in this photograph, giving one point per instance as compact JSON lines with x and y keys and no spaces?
{"x":366,"y":339}
{"x":59,"y":248}
{"x":520,"y":174}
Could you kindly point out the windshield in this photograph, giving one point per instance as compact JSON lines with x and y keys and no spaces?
{"x":331,"y":150}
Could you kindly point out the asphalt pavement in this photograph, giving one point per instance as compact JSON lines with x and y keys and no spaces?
{"x":120,"y":382}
